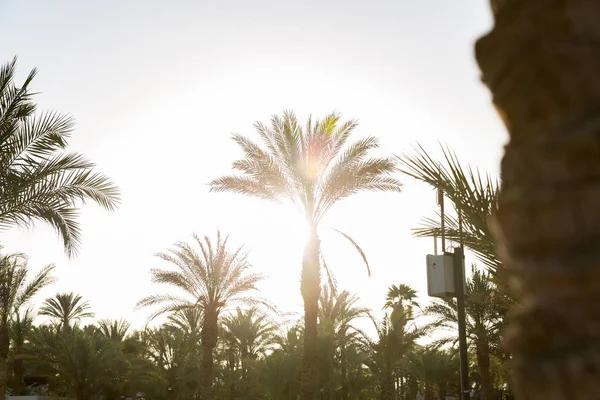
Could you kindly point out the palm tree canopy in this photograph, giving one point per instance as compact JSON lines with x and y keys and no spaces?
{"x":312,"y":166}
{"x":66,"y":308}
{"x":400,"y":296}
{"x":211,"y":276}
{"x":114,"y":329}
{"x":38,"y":179}
{"x":337,"y":312}
{"x":15,"y":290}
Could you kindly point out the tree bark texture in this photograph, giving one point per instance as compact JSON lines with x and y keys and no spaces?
{"x":541,"y":62}
{"x":209,"y":342}
{"x":310,"y":288}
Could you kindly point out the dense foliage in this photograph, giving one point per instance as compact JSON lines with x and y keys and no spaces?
{"x":258,"y":355}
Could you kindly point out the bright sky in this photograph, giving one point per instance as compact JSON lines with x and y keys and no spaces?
{"x":158,"y":87}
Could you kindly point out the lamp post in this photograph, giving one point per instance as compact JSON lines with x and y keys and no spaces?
{"x":445,"y":277}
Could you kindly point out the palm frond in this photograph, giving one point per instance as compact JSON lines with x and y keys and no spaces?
{"x":357,"y":247}
{"x":39,"y":281}
{"x":38,"y":182}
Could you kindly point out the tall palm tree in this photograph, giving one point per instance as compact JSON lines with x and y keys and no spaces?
{"x":484,"y":322}
{"x":15,"y":292}
{"x":313,"y":169}
{"x":214,"y":278}
{"x":547,"y":222}
{"x":66,"y":308}
{"x":38,"y":179}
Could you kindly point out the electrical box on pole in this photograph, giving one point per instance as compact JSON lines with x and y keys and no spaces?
{"x":440,"y":275}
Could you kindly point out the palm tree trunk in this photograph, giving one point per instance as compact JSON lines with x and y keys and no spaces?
{"x":344,"y":372}
{"x":541,"y":62}
{"x":209,"y":342}
{"x":387,"y":387}
{"x":483,"y":363}
{"x":231,"y":362}
{"x":4,"y":348}
{"x":18,"y":372}
{"x":413,"y":387}
{"x":310,"y":287}
{"x":443,"y":390}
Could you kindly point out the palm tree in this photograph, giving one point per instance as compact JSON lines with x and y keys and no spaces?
{"x":212,"y":279}
{"x":275,"y":373}
{"x":401,"y":298}
{"x":484,"y":322}
{"x":435,"y":368}
{"x":38,"y":179}
{"x":547,"y":222}
{"x":176,"y":356}
{"x":66,"y":308}
{"x":114,"y":329}
{"x":15,"y":292}
{"x":313,"y":169}
{"x":395,"y":338}
{"x":251,"y":334}
{"x":337,"y":312}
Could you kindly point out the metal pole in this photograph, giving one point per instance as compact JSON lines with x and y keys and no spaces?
{"x":442,"y":222}
{"x":459,"y":260}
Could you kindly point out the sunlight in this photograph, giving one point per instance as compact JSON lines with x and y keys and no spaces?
{"x":297,"y":228}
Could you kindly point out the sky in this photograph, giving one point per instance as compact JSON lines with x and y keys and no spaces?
{"x":158,"y":87}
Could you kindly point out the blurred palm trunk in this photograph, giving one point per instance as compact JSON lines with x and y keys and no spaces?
{"x":541,"y":62}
